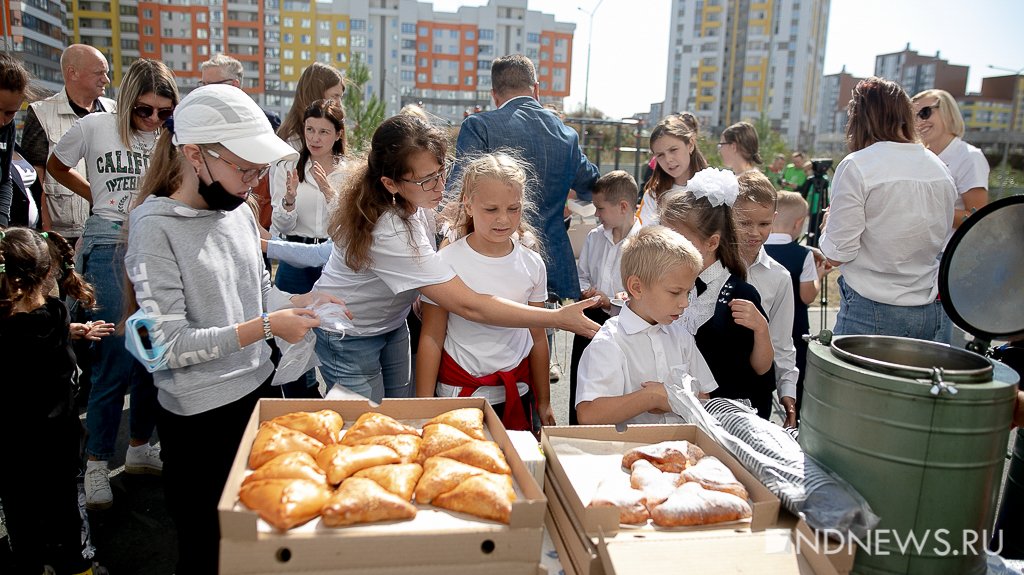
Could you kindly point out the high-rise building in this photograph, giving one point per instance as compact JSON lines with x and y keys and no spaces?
{"x":734,"y":60}
{"x":830,"y":136}
{"x":916,"y":72}
{"x":36,"y":31}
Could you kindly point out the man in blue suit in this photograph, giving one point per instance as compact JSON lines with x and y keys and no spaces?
{"x":539,"y":137}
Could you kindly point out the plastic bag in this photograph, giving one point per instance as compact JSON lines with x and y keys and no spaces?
{"x":333,"y":316}
{"x":296,"y":358}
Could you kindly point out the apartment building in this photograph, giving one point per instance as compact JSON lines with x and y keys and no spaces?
{"x":830,"y":136}
{"x":734,"y":60}
{"x":916,"y":72}
{"x":35,"y":30}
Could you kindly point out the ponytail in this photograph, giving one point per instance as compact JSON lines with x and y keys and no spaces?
{"x":165,"y":172}
{"x":71,"y":282}
{"x":685,"y":211}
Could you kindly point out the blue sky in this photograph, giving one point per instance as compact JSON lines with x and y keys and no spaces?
{"x":630,"y":41}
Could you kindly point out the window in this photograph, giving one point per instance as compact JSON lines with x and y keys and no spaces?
{"x":341,"y":57}
{"x":147,"y":13}
{"x":169,"y":32}
{"x":468,"y":51}
{"x":543,"y":70}
{"x":341,"y":25}
{"x":304,"y":39}
{"x":483,"y":64}
{"x":467,"y":66}
{"x":359,"y":24}
{"x":533,"y":37}
{"x":453,"y":34}
{"x":305,"y":55}
{"x":288,"y":54}
{"x":288,"y":39}
{"x":307,"y":23}
{"x":324,"y":25}
{"x":289,"y":70}
{"x":485,"y":50}
{"x":438,"y":33}
{"x":424,"y":31}
{"x":408,"y":44}
{"x":486,"y":34}
{"x":358,"y":41}
{"x":149,"y":46}
{"x":469,"y":80}
{"x":545,"y":41}
{"x":470,"y":35}
{"x":438,"y":49}
{"x":421,"y":77}
{"x":341,"y":41}
{"x":288,"y":22}
{"x":408,"y":28}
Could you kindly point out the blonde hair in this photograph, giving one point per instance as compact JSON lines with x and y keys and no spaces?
{"x":757,"y":188}
{"x":143,"y":77}
{"x":791,"y":207}
{"x":500,"y":167}
{"x":653,"y":251}
{"x":947,"y":108}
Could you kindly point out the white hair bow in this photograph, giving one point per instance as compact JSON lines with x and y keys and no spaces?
{"x":718,"y":186}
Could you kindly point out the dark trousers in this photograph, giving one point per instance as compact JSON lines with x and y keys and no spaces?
{"x":801,"y":364}
{"x":580,"y":343}
{"x":197,"y":451}
{"x":529,"y":408}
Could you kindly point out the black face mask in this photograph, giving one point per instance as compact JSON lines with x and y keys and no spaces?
{"x":215,"y":196}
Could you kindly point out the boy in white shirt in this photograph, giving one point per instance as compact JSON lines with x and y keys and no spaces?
{"x":623,"y":372}
{"x":599,"y":267}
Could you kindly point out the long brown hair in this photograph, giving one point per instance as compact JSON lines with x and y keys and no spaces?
{"x":332,"y":112}
{"x":744,"y":136}
{"x":316,"y":79}
{"x":879,"y":111}
{"x":364,"y":199}
{"x":683,"y":210}
{"x":685,"y":127}
{"x":27,"y":258}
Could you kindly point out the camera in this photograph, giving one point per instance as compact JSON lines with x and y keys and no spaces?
{"x":820,"y":166}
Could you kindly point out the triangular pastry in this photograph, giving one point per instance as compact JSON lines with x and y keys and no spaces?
{"x":370,"y":424}
{"x":273,"y":440}
{"x":440,"y":437}
{"x":691,"y":504}
{"x":292,"y":465}
{"x":714,"y":475}
{"x":469,"y":420}
{"x":481,"y":496}
{"x":406,"y":446}
{"x":341,"y":461}
{"x":361,"y":500}
{"x":399,"y":478}
{"x":656,"y":484}
{"x":631,"y":503}
{"x":441,"y":474}
{"x":285,"y":503}
{"x":483,"y":454}
{"x":324,"y":426}
{"x":671,"y":456}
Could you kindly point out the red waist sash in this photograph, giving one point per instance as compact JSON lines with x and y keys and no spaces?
{"x":514,"y":417}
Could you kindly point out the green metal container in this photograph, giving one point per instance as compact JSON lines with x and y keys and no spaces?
{"x":920,"y":430}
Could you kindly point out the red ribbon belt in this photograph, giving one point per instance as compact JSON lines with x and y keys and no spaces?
{"x":514,"y":417}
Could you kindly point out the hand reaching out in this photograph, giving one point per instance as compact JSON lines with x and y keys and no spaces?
{"x":92,"y":331}
{"x":745,"y":313}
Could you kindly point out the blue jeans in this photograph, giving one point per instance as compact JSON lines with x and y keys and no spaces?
{"x":114,"y":370}
{"x":375,"y":366}
{"x":859,"y":315}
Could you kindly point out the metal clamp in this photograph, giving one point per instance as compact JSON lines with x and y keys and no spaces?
{"x":938,"y":385}
{"x":824,"y":337}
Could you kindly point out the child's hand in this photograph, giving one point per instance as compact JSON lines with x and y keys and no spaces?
{"x":605,"y":302}
{"x":589,"y":292}
{"x":292,"y":324}
{"x":547,"y":415}
{"x":658,"y":396}
{"x":745,"y":313}
{"x":98,"y":329}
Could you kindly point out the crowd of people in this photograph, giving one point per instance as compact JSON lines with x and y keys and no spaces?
{"x":439,"y":264}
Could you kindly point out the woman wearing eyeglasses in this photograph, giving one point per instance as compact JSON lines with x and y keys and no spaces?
{"x":891,"y":209}
{"x":941,"y":127}
{"x":116,"y":148}
{"x":738,"y":147}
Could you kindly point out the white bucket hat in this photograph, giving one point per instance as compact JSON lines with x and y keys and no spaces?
{"x":222,"y":114}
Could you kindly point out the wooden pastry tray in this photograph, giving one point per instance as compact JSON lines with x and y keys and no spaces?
{"x":434,"y":538}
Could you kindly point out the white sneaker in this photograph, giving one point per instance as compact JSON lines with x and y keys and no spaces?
{"x":144,"y":459}
{"x":555,"y":373}
{"x":97,"y":485}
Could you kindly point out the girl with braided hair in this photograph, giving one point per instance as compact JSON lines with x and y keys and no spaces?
{"x":35,"y":350}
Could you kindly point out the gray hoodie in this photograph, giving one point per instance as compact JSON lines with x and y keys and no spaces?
{"x":199,"y":273}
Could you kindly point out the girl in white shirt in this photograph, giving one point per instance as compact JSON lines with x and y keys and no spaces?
{"x":384,"y":256}
{"x":677,"y":159}
{"x":466,"y":358}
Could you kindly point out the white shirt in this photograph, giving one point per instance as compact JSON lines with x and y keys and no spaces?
{"x":114,"y":172}
{"x":600,"y":263}
{"x":968,"y":167}
{"x":482,"y":349}
{"x":628,"y":351}
{"x":809,"y":272}
{"x":310,"y":215}
{"x":702,"y":307}
{"x":775,"y":285}
{"x":891,"y":209}
{"x":650,"y":209}
{"x":403,"y":259}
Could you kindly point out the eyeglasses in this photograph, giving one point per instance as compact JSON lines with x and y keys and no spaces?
{"x":428,"y":183}
{"x":227,"y":81}
{"x":146,"y":111}
{"x":926,"y":112}
{"x":248,"y":174}
{"x":720,"y":144}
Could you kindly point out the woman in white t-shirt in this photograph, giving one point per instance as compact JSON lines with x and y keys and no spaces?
{"x":677,"y":159}
{"x":384,"y":255}
{"x":116,"y":148}
{"x":941,"y":127}
{"x":507,"y":366}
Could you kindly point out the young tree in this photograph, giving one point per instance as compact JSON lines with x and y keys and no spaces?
{"x":364,"y":115}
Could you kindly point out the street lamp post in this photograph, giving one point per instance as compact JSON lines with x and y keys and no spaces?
{"x":1013,"y":112}
{"x":590,"y":39}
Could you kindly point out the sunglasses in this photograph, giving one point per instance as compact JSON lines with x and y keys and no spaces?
{"x":146,"y":111}
{"x":926,"y":112}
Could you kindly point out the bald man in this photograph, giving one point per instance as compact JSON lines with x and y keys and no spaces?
{"x":85,"y":72}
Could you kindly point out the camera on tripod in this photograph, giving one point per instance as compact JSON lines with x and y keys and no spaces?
{"x":821,"y":166}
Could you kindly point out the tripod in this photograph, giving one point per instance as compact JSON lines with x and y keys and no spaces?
{"x":817,"y":198}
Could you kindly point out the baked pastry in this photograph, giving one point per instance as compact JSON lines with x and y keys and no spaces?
{"x":292,"y":465}
{"x":441,"y":437}
{"x":341,"y":461}
{"x":273,"y":440}
{"x":671,"y":456}
{"x":691,"y":504}
{"x":406,"y":446}
{"x":656,"y":484}
{"x":285,"y":503}
{"x":441,"y":474}
{"x":483,"y":454}
{"x":361,"y":500}
{"x":631,"y":503}
{"x":324,"y":426}
{"x":469,"y":420}
{"x":482,"y":496}
{"x":370,"y":424}
{"x":714,"y":475}
{"x":399,"y":478}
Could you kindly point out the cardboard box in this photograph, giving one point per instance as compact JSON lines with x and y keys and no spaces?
{"x":827,"y":556}
{"x":454,"y":546}
{"x":605,"y":520}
